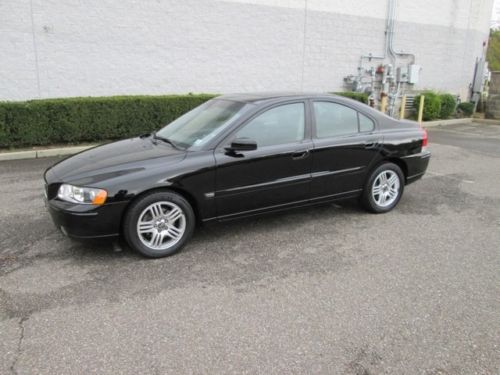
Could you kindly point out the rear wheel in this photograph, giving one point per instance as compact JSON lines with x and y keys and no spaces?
{"x":384,"y":188}
{"x":159,"y":224}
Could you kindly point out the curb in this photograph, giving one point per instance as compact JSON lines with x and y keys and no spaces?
{"x":460,"y":121}
{"x":487,"y":121}
{"x":35,"y":154}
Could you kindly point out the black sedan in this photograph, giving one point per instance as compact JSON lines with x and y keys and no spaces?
{"x":235,"y":156}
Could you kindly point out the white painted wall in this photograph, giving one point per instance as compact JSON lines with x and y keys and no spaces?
{"x":54,"y":48}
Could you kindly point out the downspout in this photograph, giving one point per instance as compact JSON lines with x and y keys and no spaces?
{"x":389,"y":30}
{"x":391,"y":22}
{"x":389,"y":40}
{"x":370,"y":56}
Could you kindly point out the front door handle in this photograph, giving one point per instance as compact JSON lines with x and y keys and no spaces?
{"x":297,"y":155}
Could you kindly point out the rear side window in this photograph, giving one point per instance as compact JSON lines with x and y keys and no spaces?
{"x":333,"y":119}
{"x":365,"y":124}
{"x":279,"y":125}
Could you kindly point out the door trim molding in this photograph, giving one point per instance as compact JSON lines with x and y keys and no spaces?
{"x":328,"y":173}
{"x":285,"y":180}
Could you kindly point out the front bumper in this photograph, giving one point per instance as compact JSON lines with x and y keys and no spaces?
{"x":86,"y":221}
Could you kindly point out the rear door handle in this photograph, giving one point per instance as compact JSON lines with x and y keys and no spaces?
{"x":297,"y":155}
{"x":371,"y":145}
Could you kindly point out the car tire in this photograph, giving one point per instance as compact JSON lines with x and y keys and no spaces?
{"x":159,"y":224}
{"x":383,"y":188}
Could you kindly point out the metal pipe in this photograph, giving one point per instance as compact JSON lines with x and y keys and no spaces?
{"x":389,"y":39}
{"x":369,"y":57}
{"x":392,"y":99}
{"x":391,"y":22}
{"x":390,"y":5}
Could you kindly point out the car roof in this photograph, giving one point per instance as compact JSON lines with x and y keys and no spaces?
{"x":272,"y":96}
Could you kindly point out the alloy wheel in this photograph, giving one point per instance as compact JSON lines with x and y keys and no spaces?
{"x":161,"y":225}
{"x":386,"y":188}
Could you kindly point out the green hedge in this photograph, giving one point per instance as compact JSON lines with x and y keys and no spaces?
{"x":432,"y":105}
{"x":359,"y":96}
{"x":73,"y":120}
{"x":448,"y":106}
{"x":466,"y":108}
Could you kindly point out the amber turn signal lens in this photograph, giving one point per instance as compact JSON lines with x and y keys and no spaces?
{"x":100,"y":198}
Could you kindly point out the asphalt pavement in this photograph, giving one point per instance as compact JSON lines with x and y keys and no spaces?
{"x":326,"y":290}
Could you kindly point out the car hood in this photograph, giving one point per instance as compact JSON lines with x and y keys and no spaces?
{"x":113,"y":160}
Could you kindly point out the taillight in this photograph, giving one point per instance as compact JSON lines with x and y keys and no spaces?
{"x":425,"y":138}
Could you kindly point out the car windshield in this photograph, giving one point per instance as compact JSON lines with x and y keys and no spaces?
{"x":196,"y":127}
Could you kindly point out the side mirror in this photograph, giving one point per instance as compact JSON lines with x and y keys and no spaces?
{"x":242,"y":144}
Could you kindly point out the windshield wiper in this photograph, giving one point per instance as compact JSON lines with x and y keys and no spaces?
{"x":166,"y":140}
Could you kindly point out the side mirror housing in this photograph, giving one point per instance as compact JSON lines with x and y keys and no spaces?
{"x":242,"y":144}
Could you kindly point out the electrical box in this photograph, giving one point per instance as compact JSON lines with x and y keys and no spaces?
{"x":479,"y":75}
{"x":402,"y":74}
{"x":413,"y":73}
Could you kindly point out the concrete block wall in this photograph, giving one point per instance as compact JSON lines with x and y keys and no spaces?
{"x":493,"y":102}
{"x":52,"y":48}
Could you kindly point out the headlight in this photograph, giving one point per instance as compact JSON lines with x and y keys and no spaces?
{"x":84,"y":195}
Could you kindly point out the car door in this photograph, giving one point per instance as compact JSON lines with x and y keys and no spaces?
{"x":346,"y":144}
{"x":275,"y":174}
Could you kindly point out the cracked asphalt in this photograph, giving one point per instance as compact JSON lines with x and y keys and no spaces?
{"x":327,"y":290}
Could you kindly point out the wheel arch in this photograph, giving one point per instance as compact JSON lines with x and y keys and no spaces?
{"x":183,"y":193}
{"x":400,"y":163}
{"x":366,"y":194}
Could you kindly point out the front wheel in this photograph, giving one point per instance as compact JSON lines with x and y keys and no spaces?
{"x":159,"y":224}
{"x":384,"y":188}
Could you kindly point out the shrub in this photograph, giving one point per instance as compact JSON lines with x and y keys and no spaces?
{"x":466,"y":108}
{"x":448,"y":105}
{"x":359,"y":96}
{"x":72,"y":120}
{"x":432,"y":105}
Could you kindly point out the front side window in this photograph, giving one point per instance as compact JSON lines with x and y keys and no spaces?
{"x":279,"y":125}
